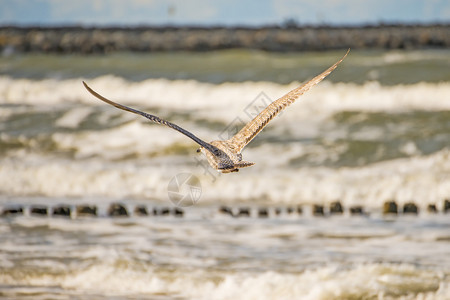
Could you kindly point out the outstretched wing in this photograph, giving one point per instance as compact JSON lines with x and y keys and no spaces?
{"x":252,"y":128}
{"x":214,"y":150}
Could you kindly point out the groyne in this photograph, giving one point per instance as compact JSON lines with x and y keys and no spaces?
{"x":117,"y":209}
{"x":66,"y":40}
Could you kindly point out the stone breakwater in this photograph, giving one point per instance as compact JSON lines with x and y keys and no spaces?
{"x":150,"y":39}
{"x":122,"y":210}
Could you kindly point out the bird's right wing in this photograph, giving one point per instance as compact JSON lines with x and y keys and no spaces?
{"x":214,"y":150}
{"x":252,"y":128}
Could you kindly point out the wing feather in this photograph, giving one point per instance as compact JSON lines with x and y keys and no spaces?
{"x":252,"y":128}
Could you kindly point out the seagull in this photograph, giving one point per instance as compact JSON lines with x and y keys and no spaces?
{"x":225,"y":156}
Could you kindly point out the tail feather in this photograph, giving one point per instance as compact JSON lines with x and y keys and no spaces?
{"x":243,"y":164}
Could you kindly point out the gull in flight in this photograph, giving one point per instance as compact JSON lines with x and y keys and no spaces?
{"x":225,"y":156}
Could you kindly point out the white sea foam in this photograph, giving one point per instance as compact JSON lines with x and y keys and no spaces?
{"x":130,"y":139}
{"x":74,"y":117}
{"x":327,"y":283}
{"x":422,"y":179}
{"x":187,"y":95}
{"x":368,"y":281}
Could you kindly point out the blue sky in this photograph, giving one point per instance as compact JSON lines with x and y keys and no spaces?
{"x":221,"y":12}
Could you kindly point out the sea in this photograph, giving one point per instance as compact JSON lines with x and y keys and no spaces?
{"x":374,"y":134}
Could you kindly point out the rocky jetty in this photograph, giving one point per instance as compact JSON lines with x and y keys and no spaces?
{"x":283,"y":38}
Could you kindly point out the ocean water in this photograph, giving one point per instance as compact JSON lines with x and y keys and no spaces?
{"x":376,"y":130}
